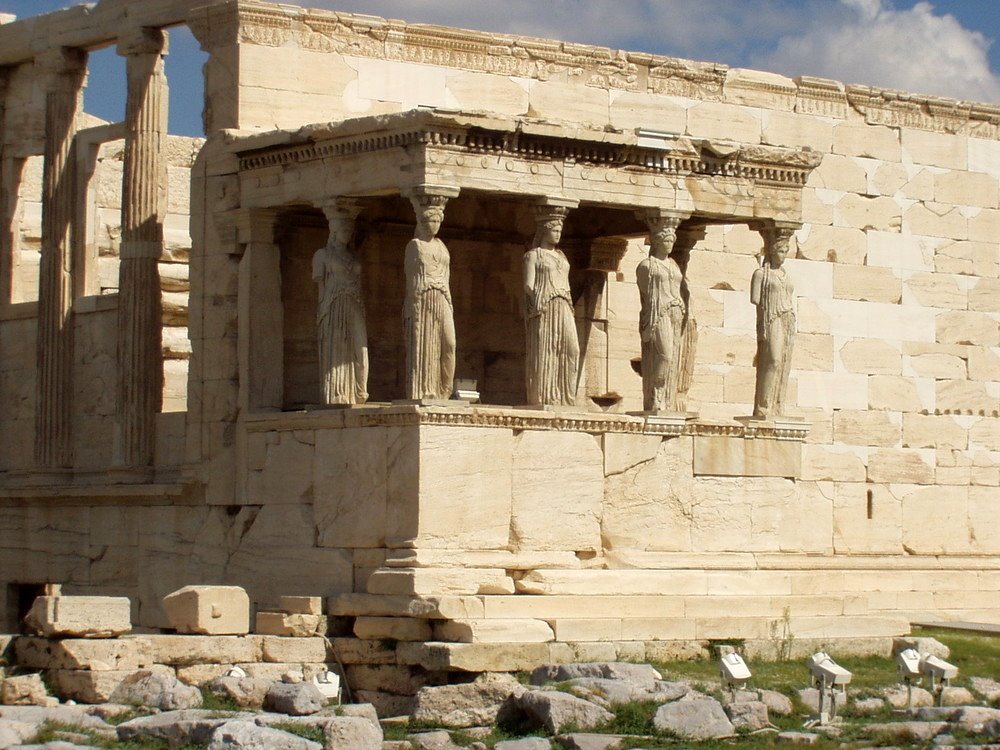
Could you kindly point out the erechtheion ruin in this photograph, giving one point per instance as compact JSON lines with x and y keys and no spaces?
{"x":516,"y":350}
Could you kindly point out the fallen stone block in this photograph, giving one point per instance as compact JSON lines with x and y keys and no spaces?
{"x":640,"y":674}
{"x":294,"y":699}
{"x":906,"y":731}
{"x":555,"y":711}
{"x":386,"y":704}
{"x":470,"y":704}
{"x":200,"y":674}
{"x":986,"y":687}
{"x":436,"y":740}
{"x":777,"y":703}
{"x":247,"y":735}
{"x":208,"y":610}
{"x":749,"y":715}
{"x":84,"y":686}
{"x":921,"y":644}
{"x":161,"y":690}
{"x":897,"y":697}
{"x":696,"y":719}
{"x":178,"y":728}
{"x":574,"y":741}
{"x":245,"y":692}
{"x":352,"y":733}
{"x":24,"y":690}
{"x":292,"y":625}
{"x":80,"y":616}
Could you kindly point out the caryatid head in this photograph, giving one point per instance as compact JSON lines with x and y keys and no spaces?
{"x":341,"y":215}
{"x":549,"y":222}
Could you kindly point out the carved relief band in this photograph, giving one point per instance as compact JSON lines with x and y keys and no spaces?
{"x":340,"y":315}
{"x":428,"y":313}
{"x":553,"y":349}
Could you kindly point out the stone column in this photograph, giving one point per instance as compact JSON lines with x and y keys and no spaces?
{"x":261,"y":316}
{"x":66,"y":69}
{"x":140,"y":356}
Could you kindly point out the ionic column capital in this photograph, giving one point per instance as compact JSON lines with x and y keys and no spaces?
{"x":142,"y":41}
{"x":659,"y":218}
{"x":431,"y":195}
{"x":341,"y":208}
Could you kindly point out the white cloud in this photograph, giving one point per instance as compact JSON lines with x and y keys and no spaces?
{"x":913,"y":49}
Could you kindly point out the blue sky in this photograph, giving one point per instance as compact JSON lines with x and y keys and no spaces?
{"x":942,"y":47}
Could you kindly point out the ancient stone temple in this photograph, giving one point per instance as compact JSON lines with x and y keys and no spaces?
{"x":516,"y":350}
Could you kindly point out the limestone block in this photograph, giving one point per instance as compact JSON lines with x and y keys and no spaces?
{"x":901,"y":466}
{"x":968,"y":258}
{"x":283,"y":624}
{"x":474,"y":657}
{"x":440,"y":581}
{"x":279,"y":649}
{"x":935,"y":290}
{"x":871,"y":356}
{"x":392,"y":628}
{"x":812,"y":351}
{"x":829,"y":463}
{"x":581,"y":607}
{"x":972,"y":328}
{"x":558,"y":100}
{"x":842,"y":173}
{"x":624,"y":451}
{"x":829,"y":391}
{"x":301,"y":605}
{"x":556,"y":475}
{"x":866,"y":428}
{"x":794,"y":130}
{"x":864,"y":212}
{"x":208,"y":610}
{"x":97,"y":655}
{"x":984,"y":364}
{"x":465,"y":487}
{"x":84,"y":686}
{"x":935,"y":149}
{"x":613,"y":582}
{"x":855,"y":530}
{"x":873,"y":141}
{"x":199,"y":674}
{"x":966,"y":189}
{"x":359,"y":651}
{"x":479,"y":92}
{"x":631,"y":110}
{"x":889,"y":179}
{"x":24,"y":690}
{"x":866,"y":283}
{"x":80,"y":616}
{"x":834,"y":243}
{"x":986,"y":434}
{"x":185,"y":650}
{"x":936,"y":364}
{"x":390,"y":678}
{"x":965,"y":396}
{"x":351,"y":513}
{"x":936,"y":220}
{"x":725,"y":122}
{"x":983,"y":227}
{"x":493,"y":631}
{"x":430,"y":607}
{"x":717,"y":270}
{"x":929,"y":431}
{"x":949,"y":531}
{"x":985,"y":295}
{"x":287,"y":474}
{"x":739,"y":457}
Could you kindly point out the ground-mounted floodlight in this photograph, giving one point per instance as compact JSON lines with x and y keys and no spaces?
{"x":237,"y":672}
{"x":734,"y":672}
{"x":328,"y":683}
{"x":908,"y":666}
{"x":826,"y":675}
{"x":940,"y":672}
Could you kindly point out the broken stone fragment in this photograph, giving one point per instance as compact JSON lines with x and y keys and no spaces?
{"x":210,"y":610}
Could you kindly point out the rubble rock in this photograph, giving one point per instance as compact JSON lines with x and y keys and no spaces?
{"x":466,"y":705}
{"x":696,"y":719}
{"x":24,"y":690}
{"x":986,"y":687}
{"x":798,"y":738}
{"x":554,"y":710}
{"x":247,"y":692}
{"x":748,"y":715}
{"x":906,"y":731}
{"x":178,"y":728}
{"x":642,"y":674}
{"x":922,"y":645}
{"x":439,"y":740}
{"x":210,"y":610}
{"x":295,"y":699}
{"x":957,"y":696}
{"x":896,"y":696}
{"x":868,"y":706}
{"x":16,"y":732}
{"x":528,"y":743}
{"x":160,"y":690}
{"x":246,"y":735}
{"x":352,"y":733}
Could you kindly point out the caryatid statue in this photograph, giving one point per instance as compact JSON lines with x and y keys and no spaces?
{"x":553,"y":349}
{"x":663,"y":316}
{"x":340,"y":314}
{"x":428,"y":314}
{"x":772,"y":292}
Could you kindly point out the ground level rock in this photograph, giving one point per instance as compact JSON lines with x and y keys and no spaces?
{"x":248,"y":692}
{"x":178,"y":728}
{"x":160,"y":690}
{"x":749,"y":715}
{"x":466,"y":705}
{"x":957,"y":696}
{"x":896,"y":696}
{"x":798,"y":738}
{"x":583,"y":741}
{"x":777,"y":703}
{"x":554,"y":710}
{"x":525,"y":743}
{"x":295,"y":699}
{"x":24,"y":690}
{"x":78,"y":716}
{"x":642,"y":674}
{"x":906,"y":731}
{"x":973,"y":718}
{"x":352,"y":733}
{"x":246,"y":735}
{"x":439,"y":740}
{"x":16,"y":732}
{"x":697,"y":719}
{"x":986,"y":687}
{"x":867,"y":706}
{"x":921,"y":644}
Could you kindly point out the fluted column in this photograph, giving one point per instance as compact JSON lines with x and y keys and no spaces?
{"x":66,"y":69}
{"x":140,"y":355}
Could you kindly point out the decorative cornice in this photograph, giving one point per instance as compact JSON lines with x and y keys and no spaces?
{"x":501,"y":417}
{"x":762,"y":164}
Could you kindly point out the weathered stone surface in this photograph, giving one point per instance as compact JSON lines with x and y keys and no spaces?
{"x":283,"y":649}
{"x":896,"y":696}
{"x":466,"y":705}
{"x":160,"y":690}
{"x":184,"y":650}
{"x":24,"y":690}
{"x":797,"y":738}
{"x":352,"y":733}
{"x":554,"y":711}
{"x":538,"y":743}
{"x":246,"y":735}
{"x":13,"y":733}
{"x":295,"y":699}
{"x":80,"y":616}
{"x":246,"y":692}
{"x":986,"y":687}
{"x":392,"y":628}
{"x":697,"y":719}
{"x":777,"y":703}
{"x":640,"y":674}
{"x":293,"y":625}
{"x":494,"y":631}
{"x":439,"y":740}
{"x":584,"y":741}
{"x":906,"y":731}
{"x":301,"y":605}
{"x":98,"y":655}
{"x":177,"y":728}
{"x":921,"y":644}
{"x":749,"y":715}
{"x":208,"y":610}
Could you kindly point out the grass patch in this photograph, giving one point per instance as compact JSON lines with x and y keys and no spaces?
{"x":51,"y":732}
{"x":212,"y":702}
{"x":634,"y":717}
{"x":302,"y":730}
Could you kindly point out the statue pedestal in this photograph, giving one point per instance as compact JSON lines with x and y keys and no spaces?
{"x":451,"y":403}
{"x":666,"y":418}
